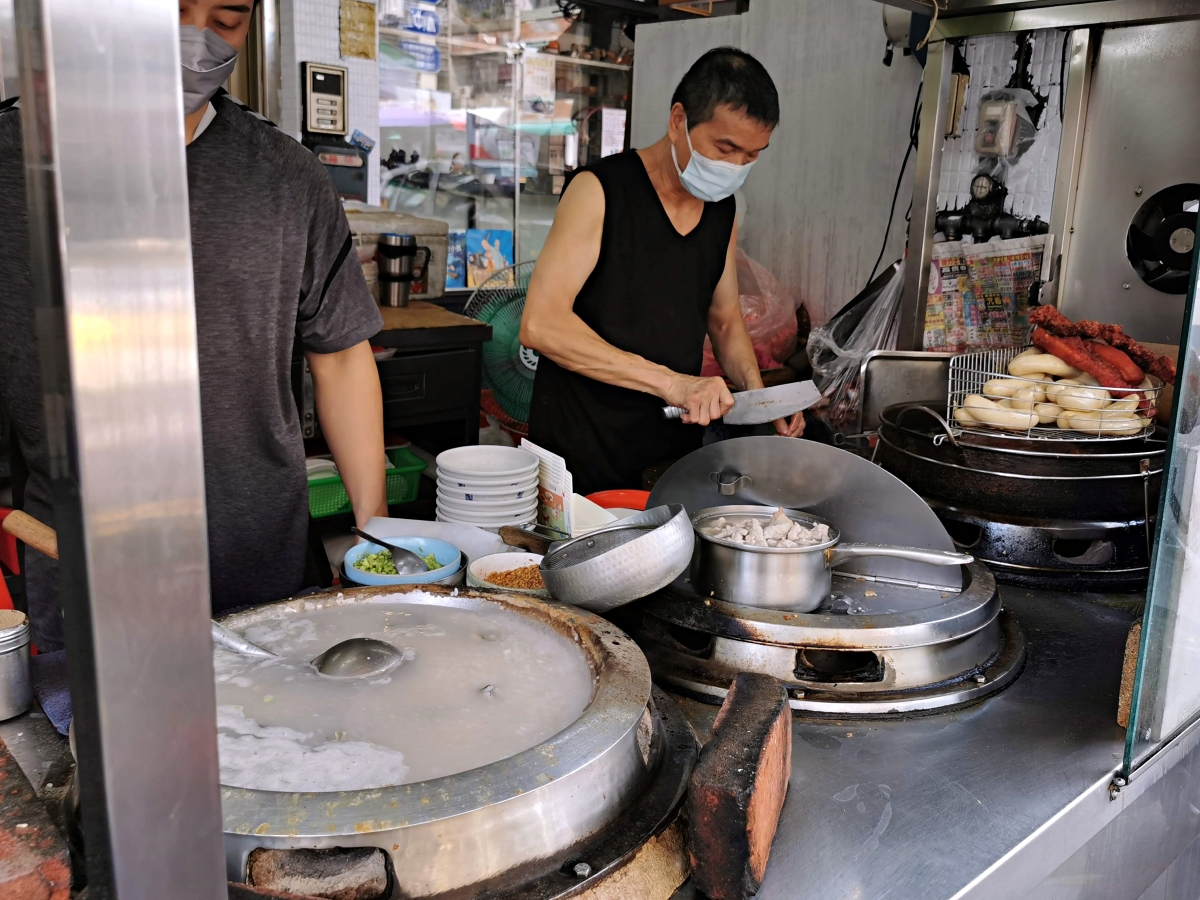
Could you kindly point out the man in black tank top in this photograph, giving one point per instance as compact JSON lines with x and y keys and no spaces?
{"x":637,"y":269}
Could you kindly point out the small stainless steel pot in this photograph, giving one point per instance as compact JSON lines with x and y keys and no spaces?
{"x":16,"y":690}
{"x":783,"y":578}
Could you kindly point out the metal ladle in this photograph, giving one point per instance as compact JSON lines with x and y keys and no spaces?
{"x":357,"y":657}
{"x":406,"y":562}
{"x":353,"y":658}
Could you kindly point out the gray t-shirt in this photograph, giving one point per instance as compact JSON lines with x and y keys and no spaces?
{"x":273,"y":267}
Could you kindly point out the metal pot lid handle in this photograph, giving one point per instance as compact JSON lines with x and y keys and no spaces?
{"x":728,"y":482}
{"x":835,"y":556}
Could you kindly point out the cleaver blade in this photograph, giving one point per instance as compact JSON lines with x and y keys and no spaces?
{"x":766,"y":405}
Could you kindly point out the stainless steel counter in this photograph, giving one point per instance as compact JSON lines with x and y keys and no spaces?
{"x":962,"y":804}
{"x":1006,"y":799}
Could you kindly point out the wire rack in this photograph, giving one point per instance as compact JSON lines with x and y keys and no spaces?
{"x":969,"y":372}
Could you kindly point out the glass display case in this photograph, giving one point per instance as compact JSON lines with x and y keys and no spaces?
{"x":486,"y":106}
{"x":1166,"y":690}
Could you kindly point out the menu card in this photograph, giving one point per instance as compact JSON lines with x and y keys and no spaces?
{"x":555,"y":487}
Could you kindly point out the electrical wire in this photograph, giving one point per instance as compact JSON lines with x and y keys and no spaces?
{"x":1062,"y":76}
{"x":914,"y":132}
{"x":932,"y":25}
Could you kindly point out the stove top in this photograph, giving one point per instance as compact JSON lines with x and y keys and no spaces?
{"x":873,"y":648}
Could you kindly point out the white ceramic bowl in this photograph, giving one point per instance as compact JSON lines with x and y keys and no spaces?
{"x":486,"y":521}
{"x":477,"y":495}
{"x":478,"y":572}
{"x":488,"y":508}
{"x":486,"y":463}
{"x":491,"y":483}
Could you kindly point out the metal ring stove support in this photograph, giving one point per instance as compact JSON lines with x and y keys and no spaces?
{"x":964,"y":613}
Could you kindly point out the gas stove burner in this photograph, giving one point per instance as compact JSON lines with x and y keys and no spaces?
{"x":1053,"y":554}
{"x":873,"y":648}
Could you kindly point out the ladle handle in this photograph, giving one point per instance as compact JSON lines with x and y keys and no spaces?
{"x":844,"y":552}
{"x":34,"y":533}
{"x":231,"y":640}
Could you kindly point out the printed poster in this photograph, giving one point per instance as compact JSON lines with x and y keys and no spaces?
{"x":488,"y":252}
{"x":537,"y":87}
{"x":456,"y":259}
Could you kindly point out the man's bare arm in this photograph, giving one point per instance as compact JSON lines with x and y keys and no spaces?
{"x":731,"y":342}
{"x":551,"y":327}
{"x":350,"y":408}
{"x":727,"y":329}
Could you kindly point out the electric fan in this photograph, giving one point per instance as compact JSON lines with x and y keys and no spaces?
{"x":508,"y":368}
{"x":1162,"y":236}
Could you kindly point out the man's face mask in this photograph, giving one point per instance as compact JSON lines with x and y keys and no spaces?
{"x":208,"y":59}
{"x":709,"y":179}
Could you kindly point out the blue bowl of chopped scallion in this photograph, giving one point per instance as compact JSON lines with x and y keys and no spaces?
{"x":368,"y":563}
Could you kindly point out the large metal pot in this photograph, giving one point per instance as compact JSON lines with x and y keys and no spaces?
{"x":783,"y":578}
{"x":1112,"y":480}
{"x":449,"y":833}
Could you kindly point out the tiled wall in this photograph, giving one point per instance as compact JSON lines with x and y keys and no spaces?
{"x":309,"y":32}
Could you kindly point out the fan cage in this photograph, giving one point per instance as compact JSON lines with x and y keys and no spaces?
{"x":508,"y":387}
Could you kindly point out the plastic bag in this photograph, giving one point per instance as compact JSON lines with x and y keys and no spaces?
{"x":838,"y":348}
{"x":770,"y":315}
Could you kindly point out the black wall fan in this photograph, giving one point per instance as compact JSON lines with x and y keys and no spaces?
{"x":1161,"y":238}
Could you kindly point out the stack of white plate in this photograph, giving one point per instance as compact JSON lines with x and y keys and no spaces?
{"x":487,"y":486}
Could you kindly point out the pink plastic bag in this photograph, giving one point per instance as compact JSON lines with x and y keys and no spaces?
{"x":770,"y":315}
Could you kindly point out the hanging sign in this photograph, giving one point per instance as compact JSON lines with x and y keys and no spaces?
{"x":423,"y":20}
{"x":422,"y":57}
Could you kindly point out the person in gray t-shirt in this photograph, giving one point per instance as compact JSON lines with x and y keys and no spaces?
{"x":273,"y":265}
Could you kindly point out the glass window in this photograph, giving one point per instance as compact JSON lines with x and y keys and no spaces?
{"x":485,"y":107}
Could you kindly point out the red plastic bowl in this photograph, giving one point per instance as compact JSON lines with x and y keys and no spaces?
{"x":620,"y":499}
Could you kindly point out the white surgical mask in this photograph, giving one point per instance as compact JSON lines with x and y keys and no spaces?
{"x":709,"y":179}
{"x":207,"y":60}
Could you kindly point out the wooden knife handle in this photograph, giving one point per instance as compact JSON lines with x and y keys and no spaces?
{"x":37,"y":535}
{"x":525,"y":540}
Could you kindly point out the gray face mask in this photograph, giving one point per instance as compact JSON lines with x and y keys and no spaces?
{"x":208,"y":59}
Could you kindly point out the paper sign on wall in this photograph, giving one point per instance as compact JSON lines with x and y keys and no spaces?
{"x":537,"y":88}
{"x":357,"y":26}
{"x":612,"y":131}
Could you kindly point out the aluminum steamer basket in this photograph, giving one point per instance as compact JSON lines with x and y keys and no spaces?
{"x":615,"y":565}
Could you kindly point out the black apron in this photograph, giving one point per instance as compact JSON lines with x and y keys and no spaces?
{"x":649,"y":294}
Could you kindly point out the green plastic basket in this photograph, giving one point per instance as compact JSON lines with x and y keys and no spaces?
{"x":328,"y":497}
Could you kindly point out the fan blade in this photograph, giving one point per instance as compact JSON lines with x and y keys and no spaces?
{"x":1142,"y":245}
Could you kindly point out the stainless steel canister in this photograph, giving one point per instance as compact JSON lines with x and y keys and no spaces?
{"x":401,"y":262}
{"x":16,"y":692}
